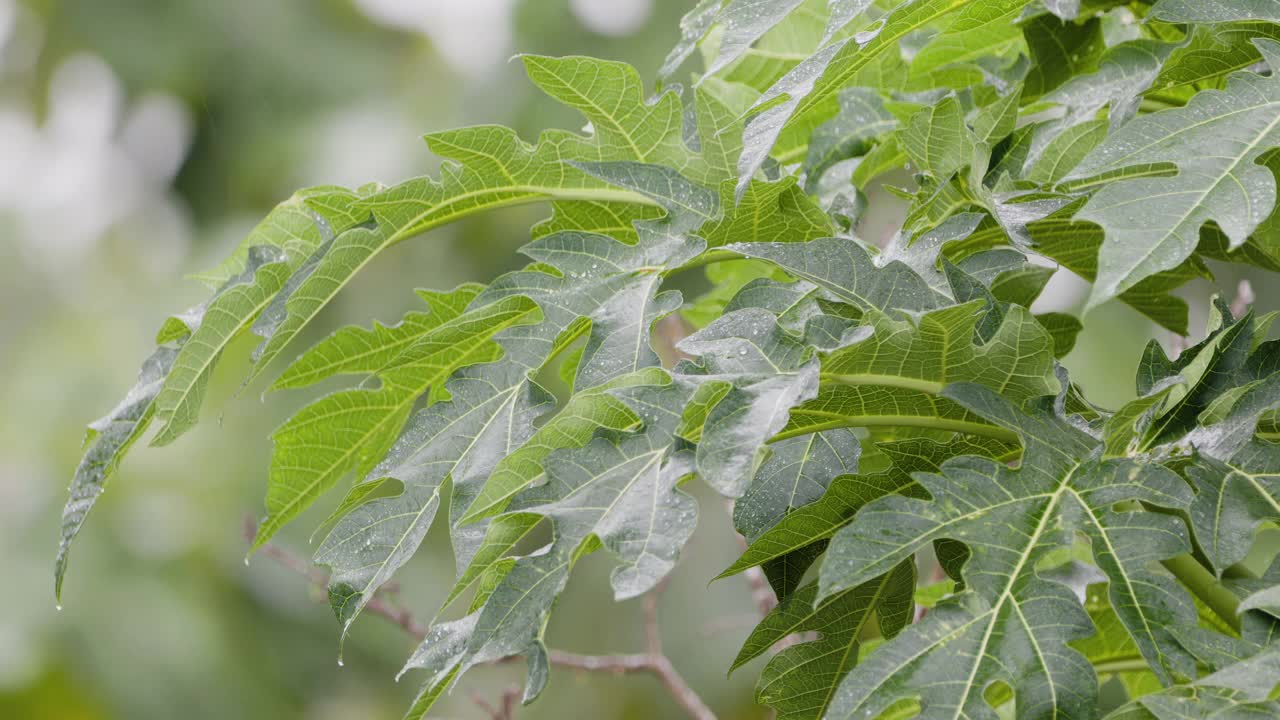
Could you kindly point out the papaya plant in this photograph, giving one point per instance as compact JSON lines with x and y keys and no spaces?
{"x":939,"y":521}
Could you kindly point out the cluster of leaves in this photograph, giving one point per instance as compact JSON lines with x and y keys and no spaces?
{"x":865,"y":406}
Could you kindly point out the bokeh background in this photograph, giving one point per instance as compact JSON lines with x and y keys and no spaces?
{"x":139,"y":141}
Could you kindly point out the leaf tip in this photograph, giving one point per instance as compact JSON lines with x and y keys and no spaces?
{"x":727,"y":572}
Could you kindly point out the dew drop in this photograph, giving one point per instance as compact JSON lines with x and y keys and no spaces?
{"x":339,"y":662}
{"x":58,"y":607}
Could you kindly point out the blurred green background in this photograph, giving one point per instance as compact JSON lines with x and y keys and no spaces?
{"x":139,"y":140}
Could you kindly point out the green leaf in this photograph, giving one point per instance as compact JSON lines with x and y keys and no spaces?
{"x":290,"y":227}
{"x":1237,"y":478}
{"x":284,"y":237}
{"x":1059,"y":51}
{"x":490,"y":415}
{"x":1216,"y":11}
{"x":1075,"y":245}
{"x":572,"y":426}
{"x":1216,"y":366}
{"x":1124,"y":430}
{"x":796,"y":473}
{"x":353,"y":429}
{"x":1065,"y":151}
{"x":868,"y":384}
{"x":1268,"y":600}
{"x":357,"y":351}
{"x":619,"y":489}
{"x":803,"y":95}
{"x":811,"y":525}
{"x":726,"y":280}
{"x":937,"y":139}
{"x":1214,"y":51}
{"x":979,"y":31}
{"x":769,"y":371}
{"x":846,"y":272}
{"x":376,"y":538}
{"x":800,"y":681}
{"x":109,"y":438}
{"x":693,"y":26}
{"x":861,"y":121}
{"x":1063,"y":328}
{"x":1015,"y":520}
{"x":1154,"y":224}
{"x":895,"y":376}
{"x":1110,"y":649}
{"x":292,"y":233}
{"x":491,"y":167}
{"x":766,"y":211}
{"x":1242,"y":690}
{"x":742,"y":23}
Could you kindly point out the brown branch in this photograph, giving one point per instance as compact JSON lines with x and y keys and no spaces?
{"x":652,"y":632}
{"x":378,"y":605}
{"x":761,"y":592}
{"x":653,"y":661}
{"x":1240,"y":304}
{"x":936,"y":574}
{"x":506,"y":710}
{"x":1244,"y":298}
{"x":715,"y":626}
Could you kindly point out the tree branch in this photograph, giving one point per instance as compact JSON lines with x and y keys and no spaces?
{"x":378,"y":604}
{"x":761,"y":593}
{"x":1243,"y":300}
{"x":505,"y":710}
{"x":653,"y":662}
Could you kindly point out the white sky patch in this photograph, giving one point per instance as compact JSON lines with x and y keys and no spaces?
{"x":473,"y":36}
{"x":615,"y":18}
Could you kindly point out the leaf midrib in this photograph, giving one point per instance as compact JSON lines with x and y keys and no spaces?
{"x":928,"y":422}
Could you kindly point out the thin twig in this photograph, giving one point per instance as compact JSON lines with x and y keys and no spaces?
{"x":668,"y":332}
{"x":506,"y":710}
{"x":761,"y":592}
{"x":936,"y":575}
{"x":652,"y":632}
{"x":1240,"y":304}
{"x":1244,"y":298}
{"x":653,"y":661}
{"x":377,"y":605}
{"x":482,"y":703}
{"x":510,"y":698}
{"x":715,"y":626}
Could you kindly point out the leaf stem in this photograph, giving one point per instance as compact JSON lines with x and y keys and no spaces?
{"x":1133,"y":664}
{"x":563,"y":342}
{"x":927,"y":386}
{"x":527,"y":195}
{"x":930,"y":423}
{"x":1206,"y":587}
{"x":709,"y":257}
